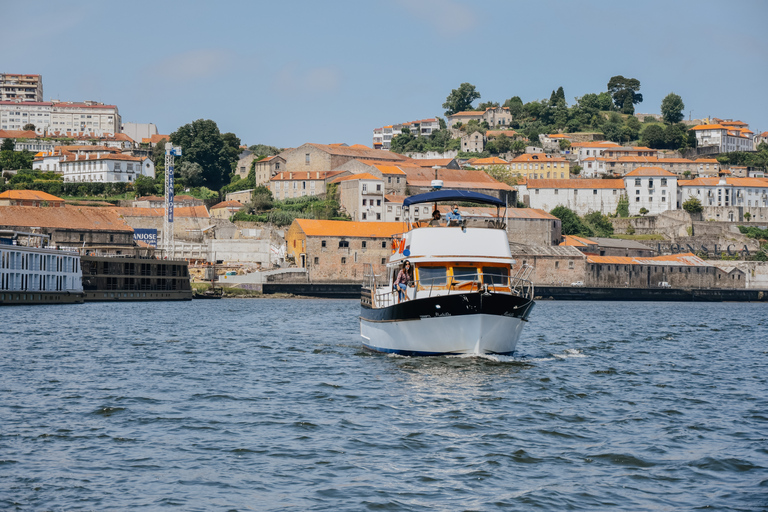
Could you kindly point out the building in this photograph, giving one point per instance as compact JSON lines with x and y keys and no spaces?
{"x":61,"y":117}
{"x":760,"y":138}
{"x":473,"y":142}
{"x":139,"y":131}
{"x":679,"y":270}
{"x":49,"y":160}
{"x":391,"y":173}
{"x":226,"y":209}
{"x":299,"y":184}
{"x":105,"y":167}
{"x":619,"y":247}
{"x":419,"y":180}
{"x":587,"y":149}
{"x":496,"y":117}
{"x":580,"y":195}
{"x":328,"y":157}
{"x":266,"y":168}
{"x":726,"y":136}
{"x":338,"y":250}
{"x":81,"y":227}
{"x":30,"y":198}
{"x":362,"y":197}
{"x":35,"y":142}
{"x":26,"y":88}
{"x":153,"y":140}
{"x":382,"y":137}
{"x":533,"y":227}
{"x":540,"y":166}
{"x":651,"y":188}
{"x":723,"y":191}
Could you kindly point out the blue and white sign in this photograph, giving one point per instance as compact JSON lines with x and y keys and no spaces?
{"x":148,"y":236}
{"x":170,"y":194}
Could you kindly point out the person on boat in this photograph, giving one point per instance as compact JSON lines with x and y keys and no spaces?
{"x":401,"y":282}
{"x":454,"y":216}
{"x":435,"y":217}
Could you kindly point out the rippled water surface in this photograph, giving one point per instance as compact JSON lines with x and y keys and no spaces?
{"x":272,"y":404}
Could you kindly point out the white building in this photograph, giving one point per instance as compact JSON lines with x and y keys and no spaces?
{"x":651,"y":188}
{"x":138,"y":131}
{"x":744,"y":192}
{"x":105,"y":167}
{"x":590,"y":149}
{"x":580,"y":195}
{"x":727,"y":136}
{"x":362,"y":197}
{"x":15,"y":87}
{"x":382,"y":137}
{"x":60,"y":116}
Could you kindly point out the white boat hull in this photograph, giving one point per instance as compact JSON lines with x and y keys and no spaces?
{"x":476,"y":334}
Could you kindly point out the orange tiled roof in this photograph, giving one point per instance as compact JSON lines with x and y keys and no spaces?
{"x":494,"y":160}
{"x":688,"y":259}
{"x":388,"y":169}
{"x":734,"y":182}
{"x":595,"y":144}
{"x":576,"y":183}
{"x":361,"y":176}
{"x":180,"y":211}
{"x":110,"y":156}
{"x":227,"y":204}
{"x":17,"y":134}
{"x":68,"y":217}
{"x":312,"y":227}
{"x":432,"y":162}
{"x":577,"y":241}
{"x":30,"y":195}
{"x":537,"y":157}
{"x":394,"y":198}
{"x":650,"y":171}
{"x":508,"y":133}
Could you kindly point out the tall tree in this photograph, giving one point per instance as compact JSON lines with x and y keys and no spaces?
{"x":487,"y":105}
{"x":653,"y":136}
{"x":672,"y":107}
{"x":624,"y":93}
{"x":461,"y":99}
{"x":202,"y":143}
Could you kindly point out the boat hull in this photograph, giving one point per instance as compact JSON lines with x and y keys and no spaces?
{"x":472,"y":323}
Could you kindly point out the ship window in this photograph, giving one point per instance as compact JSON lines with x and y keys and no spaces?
{"x":464,"y":274}
{"x":429,"y":276}
{"x":495,"y":275}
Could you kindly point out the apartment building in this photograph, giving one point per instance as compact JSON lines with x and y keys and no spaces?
{"x":496,"y":117}
{"x":540,"y":166}
{"x":382,"y":137}
{"x":651,"y":188}
{"x":580,"y":195}
{"x":726,"y":135}
{"x":302,"y":183}
{"x":15,"y":87}
{"x":61,"y":116}
{"x":723,"y":191}
{"x":105,"y":167}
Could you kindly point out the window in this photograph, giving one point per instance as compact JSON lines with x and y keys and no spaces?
{"x":637,"y":182}
{"x":637,"y":192}
{"x":378,"y":216}
{"x":364,"y":216}
{"x":306,"y":159}
{"x":343,"y":260}
{"x":637,"y":199}
{"x":663,"y":182}
{"x":322,"y":244}
{"x":378,"y":202}
{"x":570,"y":264}
{"x":365,"y":202}
{"x":365,"y":244}
{"x":383,"y":245}
{"x":464,"y":274}
{"x":365,"y":188}
{"x":594,"y":192}
{"x":317,"y":260}
{"x":495,"y":275}
{"x":383,"y":261}
{"x":343,"y":244}
{"x":556,"y":191}
{"x":378,"y":187}
{"x":429,"y":276}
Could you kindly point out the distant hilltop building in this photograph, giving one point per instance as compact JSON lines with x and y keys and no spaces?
{"x":60,"y":116}
{"x":496,"y":117}
{"x":725,"y":134}
{"x":15,"y":87}
{"x":382,"y":137}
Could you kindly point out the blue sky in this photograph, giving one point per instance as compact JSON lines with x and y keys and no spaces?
{"x":285,"y":73}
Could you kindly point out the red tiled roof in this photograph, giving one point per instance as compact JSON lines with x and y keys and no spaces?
{"x":228,"y":204}
{"x":577,"y":241}
{"x":30,"y":195}
{"x":735,"y":182}
{"x":650,"y":171}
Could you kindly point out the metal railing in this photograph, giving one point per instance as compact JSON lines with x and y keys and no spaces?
{"x":384,"y":295}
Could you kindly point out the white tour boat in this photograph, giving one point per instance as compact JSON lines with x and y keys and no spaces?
{"x":463,"y":299}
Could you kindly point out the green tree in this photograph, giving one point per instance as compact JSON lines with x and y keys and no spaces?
{"x":622,"y":207}
{"x":675,"y":136}
{"x":202,"y":143}
{"x":624,"y":93}
{"x":747,"y":216}
{"x":643,"y":211}
{"x":191,"y":173}
{"x":261,"y":200}
{"x":653,"y":136}
{"x":672,"y":107}
{"x":8,"y":144}
{"x":515,"y":106}
{"x":634,"y":126}
{"x":692,"y":205}
{"x":517,"y":146}
{"x":263,"y":150}
{"x":612,"y":127}
{"x":503,"y":143}
{"x":461,"y":99}
{"x":144,"y":186}
{"x":487,"y":105}
{"x":571,"y":223}
{"x":28,"y":126}
{"x":599,"y":223}
{"x":564,"y":144}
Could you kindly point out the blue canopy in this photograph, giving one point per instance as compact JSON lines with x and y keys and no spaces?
{"x":453,"y":195}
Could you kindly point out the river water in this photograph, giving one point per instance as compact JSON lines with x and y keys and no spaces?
{"x":272,"y":405}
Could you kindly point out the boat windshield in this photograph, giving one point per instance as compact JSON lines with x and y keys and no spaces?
{"x":432,"y":276}
{"x":495,"y":275}
{"x":465,"y":273}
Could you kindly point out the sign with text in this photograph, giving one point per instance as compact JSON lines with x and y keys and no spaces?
{"x":148,"y":236}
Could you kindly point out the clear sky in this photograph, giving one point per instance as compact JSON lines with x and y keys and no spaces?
{"x":287,"y":72}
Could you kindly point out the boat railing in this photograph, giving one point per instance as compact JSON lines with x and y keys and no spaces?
{"x":517,"y":284}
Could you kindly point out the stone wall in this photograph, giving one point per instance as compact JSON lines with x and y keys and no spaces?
{"x":649,"y":276}
{"x":534,"y":231}
{"x":334,"y":263}
{"x":755,"y":272}
{"x":553,"y":266}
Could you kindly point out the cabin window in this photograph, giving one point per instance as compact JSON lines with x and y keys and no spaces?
{"x":495,"y":275}
{"x":429,"y":276}
{"x":464,"y":274}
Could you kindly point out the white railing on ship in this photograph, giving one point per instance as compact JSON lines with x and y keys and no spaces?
{"x":518,"y":284}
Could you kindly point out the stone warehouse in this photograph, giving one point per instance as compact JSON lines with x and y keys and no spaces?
{"x":338,"y":250}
